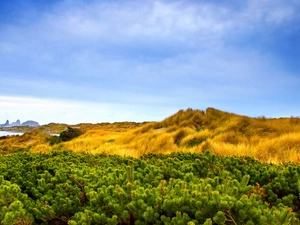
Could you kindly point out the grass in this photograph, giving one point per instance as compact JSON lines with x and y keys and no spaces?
{"x":275,"y":140}
{"x":35,"y":142}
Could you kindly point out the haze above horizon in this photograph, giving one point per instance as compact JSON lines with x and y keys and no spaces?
{"x":73,"y":61}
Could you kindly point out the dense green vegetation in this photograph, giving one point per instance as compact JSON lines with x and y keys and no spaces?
{"x":180,"y":188}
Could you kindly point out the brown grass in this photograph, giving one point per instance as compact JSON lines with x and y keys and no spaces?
{"x":269,"y":140}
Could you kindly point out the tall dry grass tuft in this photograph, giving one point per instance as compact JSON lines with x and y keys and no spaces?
{"x":196,"y":138}
{"x":228,"y":149}
{"x":231,"y":137}
{"x":91,"y":141}
{"x":181,"y":133}
{"x":147,"y":127}
{"x":185,"y":118}
{"x":41,"y":148}
{"x":153,"y":141}
{"x":283,"y":148}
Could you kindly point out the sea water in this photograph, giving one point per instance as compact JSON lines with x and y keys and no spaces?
{"x":9,"y":133}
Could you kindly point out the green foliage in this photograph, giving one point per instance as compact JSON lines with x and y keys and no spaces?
{"x":220,"y":218}
{"x":196,"y":141}
{"x":70,"y":134}
{"x":111,"y":140}
{"x":198,"y":129}
{"x":12,"y":201}
{"x":180,"y":188}
{"x":53,"y":140}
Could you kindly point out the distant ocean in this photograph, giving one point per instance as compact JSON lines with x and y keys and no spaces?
{"x":5,"y":133}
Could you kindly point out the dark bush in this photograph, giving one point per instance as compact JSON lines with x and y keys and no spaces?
{"x":70,"y":134}
{"x":53,"y":140}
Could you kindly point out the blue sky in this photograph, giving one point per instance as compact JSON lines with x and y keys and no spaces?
{"x":96,"y":61}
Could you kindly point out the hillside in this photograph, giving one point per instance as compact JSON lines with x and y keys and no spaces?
{"x":269,"y":140}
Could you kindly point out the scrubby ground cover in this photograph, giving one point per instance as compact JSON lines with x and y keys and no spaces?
{"x":179,"y":188}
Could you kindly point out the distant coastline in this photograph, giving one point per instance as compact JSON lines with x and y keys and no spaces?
{"x":28,"y":123}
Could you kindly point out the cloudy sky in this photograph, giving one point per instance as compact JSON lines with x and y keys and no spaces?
{"x":126,"y":60}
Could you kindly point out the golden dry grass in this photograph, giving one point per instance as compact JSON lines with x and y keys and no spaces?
{"x":268,"y":140}
{"x":34,"y":142}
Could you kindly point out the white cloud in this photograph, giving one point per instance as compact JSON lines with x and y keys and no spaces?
{"x":160,"y":20}
{"x":126,"y":26}
{"x":270,"y":11}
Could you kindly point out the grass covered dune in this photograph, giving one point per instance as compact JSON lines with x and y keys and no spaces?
{"x":273,"y":140}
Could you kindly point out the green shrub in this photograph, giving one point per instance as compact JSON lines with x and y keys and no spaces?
{"x":70,"y":134}
{"x":53,"y":140}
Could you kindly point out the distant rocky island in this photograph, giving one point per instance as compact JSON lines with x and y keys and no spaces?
{"x":28,"y":123}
